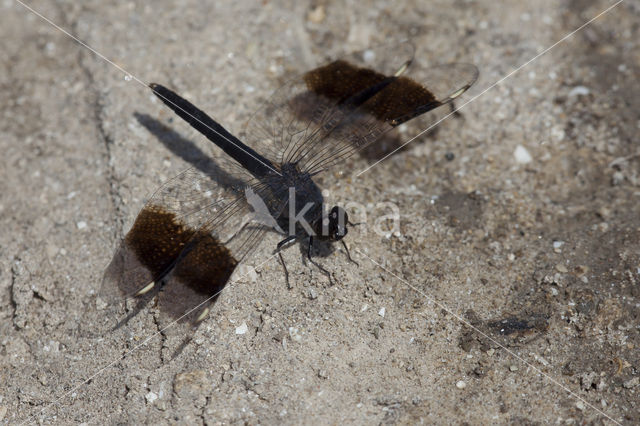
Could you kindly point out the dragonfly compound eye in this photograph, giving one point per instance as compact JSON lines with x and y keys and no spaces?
{"x":338,"y":219}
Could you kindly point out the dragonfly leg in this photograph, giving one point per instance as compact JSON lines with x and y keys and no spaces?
{"x":284,"y":266}
{"x":286,"y":271}
{"x":316,"y":264}
{"x":348,"y":254}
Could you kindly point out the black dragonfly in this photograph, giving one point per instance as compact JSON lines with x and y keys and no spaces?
{"x":193,"y":232}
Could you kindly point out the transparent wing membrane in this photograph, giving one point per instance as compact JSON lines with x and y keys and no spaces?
{"x":185,"y":244}
{"x":327,"y":114}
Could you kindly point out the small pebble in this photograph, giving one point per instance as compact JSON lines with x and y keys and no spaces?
{"x":81,"y":225}
{"x":241,"y":329}
{"x":522,"y":155}
{"x":513,"y":368}
{"x":579,"y":90}
{"x":540,"y":359}
{"x":151,"y":397}
{"x":295,"y":334}
{"x":313,"y":294}
{"x":558,"y":133}
{"x":617,"y":178}
{"x":461,"y":384}
{"x":370,"y":56}
{"x":580,"y":405}
{"x":561,"y":268}
{"x":382,"y":311}
{"x":376,"y":332}
{"x":604,"y":212}
{"x":317,"y":15}
{"x":581,"y":270}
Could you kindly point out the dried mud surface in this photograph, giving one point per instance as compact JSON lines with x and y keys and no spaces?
{"x":539,"y":258}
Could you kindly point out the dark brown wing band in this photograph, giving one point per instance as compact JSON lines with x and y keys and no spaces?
{"x":389,"y":99}
{"x":159,"y":240}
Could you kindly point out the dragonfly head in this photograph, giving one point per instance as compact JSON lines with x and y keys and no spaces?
{"x":337,"y":223}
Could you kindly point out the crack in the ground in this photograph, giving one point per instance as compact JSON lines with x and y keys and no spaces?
{"x":12,"y":299}
{"x":96,"y":104}
{"x":162,"y":333}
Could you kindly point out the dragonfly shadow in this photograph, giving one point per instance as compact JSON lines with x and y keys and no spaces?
{"x":189,"y":151}
{"x":176,"y":301}
{"x":395,"y":141}
{"x":185,"y":149}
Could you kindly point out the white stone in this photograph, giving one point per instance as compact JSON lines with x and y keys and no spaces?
{"x":242,"y":328}
{"x":579,"y":90}
{"x":151,"y":397}
{"x":522,"y":155}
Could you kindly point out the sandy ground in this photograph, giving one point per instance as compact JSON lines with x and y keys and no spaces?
{"x":540,"y":258}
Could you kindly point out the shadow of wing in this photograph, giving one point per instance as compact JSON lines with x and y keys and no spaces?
{"x":183,"y":248}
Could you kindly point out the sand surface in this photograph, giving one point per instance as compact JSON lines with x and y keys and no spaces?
{"x":510,"y":294}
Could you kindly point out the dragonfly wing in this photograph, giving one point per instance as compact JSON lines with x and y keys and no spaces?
{"x":366,"y":116}
{"x":327,"y":114}
{"x":185,"y":243}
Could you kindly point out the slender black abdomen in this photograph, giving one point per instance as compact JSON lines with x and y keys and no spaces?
{"x":255,"y":163}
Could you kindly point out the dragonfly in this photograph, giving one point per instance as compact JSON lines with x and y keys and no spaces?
{"x":195,"y":230}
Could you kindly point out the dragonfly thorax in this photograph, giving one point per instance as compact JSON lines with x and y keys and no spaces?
{"x":304,"y":207}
